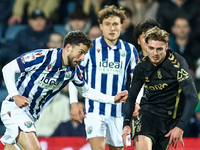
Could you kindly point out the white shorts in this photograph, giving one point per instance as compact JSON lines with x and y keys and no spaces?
{"x":104,"y":126}
{"x":15,"y":119}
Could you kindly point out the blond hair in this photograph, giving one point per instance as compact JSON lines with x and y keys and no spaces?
{"x":111,"y":11}
{"x":157,"y":34}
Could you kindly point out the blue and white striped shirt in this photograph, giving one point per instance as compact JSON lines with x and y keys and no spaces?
{"x":43,"y":76}
{"x":106,"y":69}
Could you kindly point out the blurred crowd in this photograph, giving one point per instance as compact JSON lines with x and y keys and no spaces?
{"x":27,"y":25}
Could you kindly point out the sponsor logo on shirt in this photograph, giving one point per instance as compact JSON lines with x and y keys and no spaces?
{"x":107,"y":67}
{"x":158,"y":86}
{"x":49,"y":83}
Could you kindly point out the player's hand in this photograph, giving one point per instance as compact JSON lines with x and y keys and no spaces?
{"x":126,"y":131}
{"x":76,"y":111}
{"x":21,"y":101}
{"x":176,"y":134}
{"x":136,"y":111}
{"x":121,"y":97}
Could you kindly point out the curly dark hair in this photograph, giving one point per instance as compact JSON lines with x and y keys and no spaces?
{"x":76,"y":38}
{"x":144,"y":26}
{"x":111,"y":11}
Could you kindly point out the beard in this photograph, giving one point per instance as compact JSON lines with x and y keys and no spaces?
{"x":70,"y":61}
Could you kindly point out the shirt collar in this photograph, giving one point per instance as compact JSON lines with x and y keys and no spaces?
{"x":104,"y":44}
{"x":59,"y":61}
{"x":59,"y":58}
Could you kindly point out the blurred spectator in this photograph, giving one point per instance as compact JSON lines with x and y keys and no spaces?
{"x":198,"y":21}
{"x":67,"y":7}
{"x":92,"y":8}
{"x":6,"y":12}
{"x":4,"y":59}
{"x":128,"y":28}
{"x":193,"y":127}
{"x":141,"y":9}
{"x":72,"y":127}
{"x":35,"y":36}
{"x":78,"y":20}
{"x":139,"y":34}
{"x":23,"y":9}
{"x":182,"y":42}
{"x":55,"y":40}
{"x":170,"y":9}
{"x":94,"y":32}
{"x":56,"y":112}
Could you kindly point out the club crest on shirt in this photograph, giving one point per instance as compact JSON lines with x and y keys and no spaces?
{"x":68,"y":74}
{"x":28,"y":124}
{"x":159,"y":74}
{"x":89,"y":130}
{"x":122,"y":52}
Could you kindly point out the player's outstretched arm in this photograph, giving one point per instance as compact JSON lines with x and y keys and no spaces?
{"x":121,"y":97}
{"x":97,"y":96}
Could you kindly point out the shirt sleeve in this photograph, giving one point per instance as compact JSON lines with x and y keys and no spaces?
{"x":88,"y":92}
{"x":186,"y":83}
{"x":192,"y":100}
{"x":73,"y":92}
{"x":9,"y":77}
{"x":31,"y":60}
{"x":182,"y":72}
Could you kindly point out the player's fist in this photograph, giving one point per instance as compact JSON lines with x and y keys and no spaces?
{"x":21,"y":101}
{"x":126,"y":131}
{"x":121,"y":97}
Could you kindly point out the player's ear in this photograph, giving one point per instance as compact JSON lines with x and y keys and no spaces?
{"x":100,"y":26}
{"x":167,"y":46}
{"x":68,"y":47}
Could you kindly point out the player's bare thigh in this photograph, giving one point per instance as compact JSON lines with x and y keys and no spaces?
{"x":28,"y":141}
{"x":142,"y":142}
{"x":97,"y":143}
{"x":115,"y":148}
